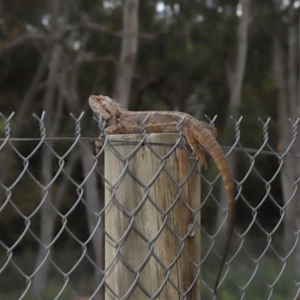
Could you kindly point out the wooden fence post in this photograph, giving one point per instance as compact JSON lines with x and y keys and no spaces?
{"x":148,"y":247}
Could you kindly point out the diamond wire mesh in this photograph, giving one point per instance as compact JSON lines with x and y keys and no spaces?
{"x":52,"y":220}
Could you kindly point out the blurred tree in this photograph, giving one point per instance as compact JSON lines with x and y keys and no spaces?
{"x":171,"y":54}
{"x":286,"y":46}
{"x":235,"y":70}
{"x":128,"y":52}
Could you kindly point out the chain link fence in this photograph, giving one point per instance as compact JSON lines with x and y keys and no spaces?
{"x":56,"y":199}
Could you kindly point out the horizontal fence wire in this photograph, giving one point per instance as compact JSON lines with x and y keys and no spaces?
{"x":56,"y":196}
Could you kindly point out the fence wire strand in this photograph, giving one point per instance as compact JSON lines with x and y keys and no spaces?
{"x":52,"y":217}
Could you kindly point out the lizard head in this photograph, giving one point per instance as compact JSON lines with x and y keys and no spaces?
{"x":104,"y":106}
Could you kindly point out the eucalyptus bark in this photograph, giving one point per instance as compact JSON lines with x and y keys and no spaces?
{"x":128,"y":52}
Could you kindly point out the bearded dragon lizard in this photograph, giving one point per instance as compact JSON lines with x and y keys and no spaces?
{"x":197,"y":133}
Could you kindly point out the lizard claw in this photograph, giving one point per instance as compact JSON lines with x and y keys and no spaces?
{"x":201,"y":157}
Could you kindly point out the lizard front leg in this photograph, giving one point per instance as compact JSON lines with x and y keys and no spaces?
{"x":111,"y":129}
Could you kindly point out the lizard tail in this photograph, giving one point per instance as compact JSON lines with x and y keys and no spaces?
{"x":208,"y":141}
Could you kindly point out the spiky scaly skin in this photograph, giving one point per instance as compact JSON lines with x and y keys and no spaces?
{"x":197,"y":133}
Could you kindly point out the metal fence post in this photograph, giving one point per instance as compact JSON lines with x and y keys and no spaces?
{"x":152,"y":220}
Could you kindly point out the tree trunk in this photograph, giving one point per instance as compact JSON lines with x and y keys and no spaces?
{"x":237,"y":75}
{"x":293,"y":63}
{"x":235,"y":79}
{"x":293,"y":48}
{"x":128,"y":52}
{"x":95,"y":219}
{"x":48,"y":215}
{"x":288,"y":107}
{"x":285,"y":137}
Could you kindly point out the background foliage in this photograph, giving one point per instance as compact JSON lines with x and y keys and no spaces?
{"x":55,"y":54}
